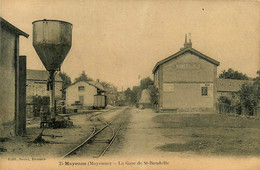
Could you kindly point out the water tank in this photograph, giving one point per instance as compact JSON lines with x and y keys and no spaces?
{"x":52,"y":42}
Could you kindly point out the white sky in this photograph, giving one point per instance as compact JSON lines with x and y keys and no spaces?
{"x":116,"y":41}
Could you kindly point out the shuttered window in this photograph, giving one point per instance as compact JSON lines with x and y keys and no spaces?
{"x":204,"y":91}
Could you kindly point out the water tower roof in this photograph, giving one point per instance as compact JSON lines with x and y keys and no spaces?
{"x":51,"y":20}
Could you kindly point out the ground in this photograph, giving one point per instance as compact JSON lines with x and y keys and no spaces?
{"x":146,"y":134}
{"x":186,"y":134}
{"x":54,"y":147}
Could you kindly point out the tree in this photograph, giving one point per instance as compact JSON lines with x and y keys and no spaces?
{"x":66,"y":81}
{"x":248,"y":97}
{"x":136,"y":94}
{"x":257,"y":85}
{"x":111,"y":92}
{"x":108,"y":86}
{"x":231,"y":74}
{"x":145,"y":82}
{"x":83,"y":77}
{"x":154,"y":94}
{"x":128,"y":94}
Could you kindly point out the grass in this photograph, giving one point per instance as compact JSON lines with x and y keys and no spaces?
{"x":210,"y":134}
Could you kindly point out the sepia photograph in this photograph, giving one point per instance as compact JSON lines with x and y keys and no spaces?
{"x":130,"y":84}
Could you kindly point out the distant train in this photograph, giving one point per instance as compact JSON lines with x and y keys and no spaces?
{"x":100,"y":101}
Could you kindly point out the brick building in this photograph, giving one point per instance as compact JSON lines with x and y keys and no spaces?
{"x":186,"y":80}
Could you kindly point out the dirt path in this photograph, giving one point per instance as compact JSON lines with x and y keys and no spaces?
{"x":66,"y":139}
{"x":143,"y":136}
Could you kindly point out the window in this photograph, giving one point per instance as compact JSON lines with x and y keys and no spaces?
{"x":204,"y":91}
{"x":81,"y":88}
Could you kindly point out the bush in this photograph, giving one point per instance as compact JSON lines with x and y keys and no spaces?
{"x":224,"y":99}
{"x":239,"y":109}
{"x":248,"y":97}
{"x":154,"y":97}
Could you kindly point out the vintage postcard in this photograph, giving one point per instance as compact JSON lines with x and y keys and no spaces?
{"x":127,"y":84}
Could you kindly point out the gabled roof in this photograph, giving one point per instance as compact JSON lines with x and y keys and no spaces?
{"x":188,"y":49}
{"x":97,"y":85}
{"x":92,"y":83}
{"x":230,"y":85}
{"x":40,"y":75}
{"x":11,"y":28}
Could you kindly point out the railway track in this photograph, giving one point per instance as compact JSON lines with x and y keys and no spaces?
{"x":103,"y":135}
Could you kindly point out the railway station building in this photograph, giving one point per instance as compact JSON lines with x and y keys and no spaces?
{"x":186,"y":81}
{"x":12,"y":81}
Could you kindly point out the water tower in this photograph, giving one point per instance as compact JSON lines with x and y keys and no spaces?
{"x":52,"y":42}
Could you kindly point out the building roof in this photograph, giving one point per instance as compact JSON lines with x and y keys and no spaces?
{"x":230,"y":85}
{"x":97,"y":85}
{"x":11,"y":28}
{"x":92,"y":83}
{"x":40,"y":75}
{"x":182,"y":51}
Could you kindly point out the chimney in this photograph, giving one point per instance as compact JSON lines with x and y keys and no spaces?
{"x":187,"y":44}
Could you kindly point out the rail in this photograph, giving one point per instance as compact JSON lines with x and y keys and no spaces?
{"x":95,"y":132}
